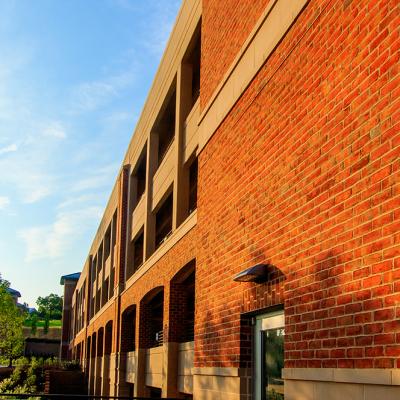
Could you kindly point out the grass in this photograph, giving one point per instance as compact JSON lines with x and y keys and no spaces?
{"x":40,"y":323}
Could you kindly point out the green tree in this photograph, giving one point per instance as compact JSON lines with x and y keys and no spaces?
{"x":50,"y":307}
{"x":31,"y":320}
{"x":11,"y":323}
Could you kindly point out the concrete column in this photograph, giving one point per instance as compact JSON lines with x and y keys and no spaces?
{"x":99,"y":362}
{"x":121,"y":240}
{"x":181,"y":179}
{"x":92,"y":365}
{"x":86,"y":364}
{"x":88,"y":291}
{"x":170,"y":370}
{"x":140,"y":389}
{"x":113,"y":365}
{"x":121,"y":384}
{"x":106,"y":371}
{"x":132,"y":194}
{"x":97,"y":375}
{"x":105,"y":375}
{"x":150,"y":222}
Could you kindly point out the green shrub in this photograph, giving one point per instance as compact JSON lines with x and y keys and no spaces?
{"x":71,"y":366}
{"x":28,"y":374}
{"x":7,"y":385}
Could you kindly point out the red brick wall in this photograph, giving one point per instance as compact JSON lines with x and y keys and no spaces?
{"x":177,"y":312}
{"x":225,"y":27}
{"x":304,"y":173}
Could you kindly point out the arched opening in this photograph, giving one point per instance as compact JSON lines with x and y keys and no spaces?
{"x":152,"y":319}
{"x":106,"y":378}
{"x":128,"y":346}
{"x":93,"y":350}
{"x":182,"y":304}
{"x":78,"y":353}
{"x":99,"y":361}
{"x":181,"y":324}
{"x":100,"y":342}
{"x":128,"y":323}
{"x":108,"y":338}
{"x":87,"y":361}
{"x":151,"y":337}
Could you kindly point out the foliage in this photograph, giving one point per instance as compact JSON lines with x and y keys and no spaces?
{"x":11,"y":323}
{"x":46,"y":324}
{"x":50,"y":307}
{"x":29,"y":374}
{"x":71,"y":366}
{"x":25,"y":378}
{"x":273,"y":395}
{"x":33,"y":322}
{"x":4,"y":283}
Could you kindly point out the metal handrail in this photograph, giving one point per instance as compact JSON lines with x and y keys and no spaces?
{"x":74,"y":396}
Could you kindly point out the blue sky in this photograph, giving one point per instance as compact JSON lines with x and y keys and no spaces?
{"x":74,"y":76}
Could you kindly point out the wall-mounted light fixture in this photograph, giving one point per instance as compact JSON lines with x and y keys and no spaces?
{"x":258,"y":274}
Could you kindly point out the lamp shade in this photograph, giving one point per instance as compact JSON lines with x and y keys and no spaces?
{"x":258,"y":273}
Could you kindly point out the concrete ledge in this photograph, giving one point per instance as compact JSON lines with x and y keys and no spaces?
{"x":218,"y":371}
{"x":345,"y":375}
{"x":218,"y":383}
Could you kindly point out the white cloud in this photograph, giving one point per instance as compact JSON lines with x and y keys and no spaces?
{"x":4,"y":202}
{"x":89,"y":96}
{"x":26,"y":171}
{"x":157,"y":29}
{"x":54,"y":241}
{"x":9,"y":149}
{"x":55,"y":130}
{"x":161,"y":26}
{"x":97,"y":178}
{"x":125,"y":4}
{"x":35,"y":194}
{"x":24,"y":168}
{"x":30,"y":166}
{"x":119,"y":116}
{"x":78,"y":200}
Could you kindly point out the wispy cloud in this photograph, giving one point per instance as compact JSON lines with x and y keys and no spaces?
{"x":97,"y":178}
{"x":161,"y":26}
{"x":55,"y":240}
{"x":55,"y":130}
{"x":120,"y":116}
{"x":9,"y":149}
{"x":89,"y":96}
{"x":4,"y":202}
{"x":125,"y":4}
{"x":158,"y":27}
{"x":75,"y":201}
{"x":27,"y":170}
{"x":35,"y":193}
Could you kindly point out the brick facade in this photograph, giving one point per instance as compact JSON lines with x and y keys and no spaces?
{"x":305,"y":175}
{"x":301,"y":173}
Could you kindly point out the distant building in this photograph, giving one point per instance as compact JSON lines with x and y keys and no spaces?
{"x":69,"y":282}
{"x":15,"y":294}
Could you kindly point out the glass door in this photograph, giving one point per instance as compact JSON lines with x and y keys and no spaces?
{"x":268,"y":354}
